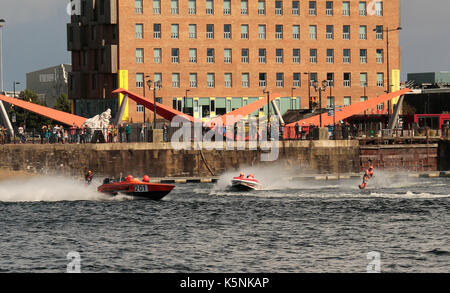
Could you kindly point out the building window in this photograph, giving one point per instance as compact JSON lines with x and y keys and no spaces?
{"x":192,"y":31}
{"x":139,"y":80}
{"x":313,"y":78}
{"x":363,"y":79}
{"x":227,"y":31}
{"x":313,"y":32}
{"x":209,"y":7}
{"x":245,"y":80}
{"x":157,"y":31}
{"x":262,"y":79}
{"x":380,"y":107}
{"x":347,"y":56}
{"x":262,"y":31}
{"x":313,"y":56}
{"x":156,"y":6}
{"x":330,"y":56}
{"x":363,"y":55}
{"x":347,"y":79}
{"x":244,"y":55}
{"x":330,"y":79}
{"x":279,"y":56}
{"x":296,"y":32}
{"x":174,"y":31}
{"x":138,"y":6}
{"x":157,"y":55}
{"x":210,"y":31}
{"x":175,"y":80}
{"x":296,"y":56}
{"x":347,"y":101}
{"x":226,"y":7}
{"x":346,"y":32}
{"x":379,"y":32}
{"x":296,"y":79}
{"x":192,"y":55}
{"x":210,"y":55}
{"x":244,"y":31}
{"x":175,"y":55}
{"x":295,"y":8}
{"x":363,"y":32}
{"x":346,"y":8}
{"x":380,"y":79}
{"x":261,"y":7}
{"x":210,"y":80}
{"x":278,"y":7}
{"x":157,"y":80}
{"x":192,"y":80}
{"x":139,"y":108}
{"x":174,"y":6}
{"x":362,"y":8}
{"x":139,"y":55}
{"x":380,"y":56}
{"x":139,"y":31}
{"x":278,"y":32}
{"x":227,"y":56}
{"x":330,"y":102}
{"x":262,"y":55}
{"x":244,"y":7}
{"x":329,"y":8}
{"x":280,"y":79}
{"x":312,"y":8}
{"x":363,"y":98}
{"x":94,"y":81}
{"x":330,"y":32}
{"x":192,"y":10}
{"x":379,"y":8}
{"x":228,"y":80}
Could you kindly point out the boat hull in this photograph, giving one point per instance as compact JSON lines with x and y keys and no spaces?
{"x":245,"y":185}
{"x":152,"y":191}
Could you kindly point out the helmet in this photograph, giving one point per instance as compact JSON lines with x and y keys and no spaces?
{"x":129,"y":178}
{"x":241,"y":174}
{"x":89,"y":172}
{"x":146,"y":179}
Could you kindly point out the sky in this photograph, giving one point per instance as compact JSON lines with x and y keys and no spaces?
{"x":34,"y":36}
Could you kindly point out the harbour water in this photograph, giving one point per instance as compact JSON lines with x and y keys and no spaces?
{"x":289,"y":227}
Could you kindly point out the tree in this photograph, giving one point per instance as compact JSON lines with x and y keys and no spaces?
{"x":27,"y":118}
{"x":63,"y":104}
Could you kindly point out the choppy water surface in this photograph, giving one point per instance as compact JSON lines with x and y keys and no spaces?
{"x":310,"y":226}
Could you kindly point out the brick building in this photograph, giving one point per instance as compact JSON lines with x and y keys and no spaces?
{"x":218,"y":55}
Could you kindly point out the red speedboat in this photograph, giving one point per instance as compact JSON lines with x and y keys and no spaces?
{"x":134,"y":187}
{"x":245,"y":184}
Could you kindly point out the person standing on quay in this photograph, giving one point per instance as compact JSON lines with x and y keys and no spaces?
{"x":128,"y":132}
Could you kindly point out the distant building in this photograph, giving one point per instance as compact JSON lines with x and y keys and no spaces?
{"x":49,"y":83}
{"x":430,"y":79}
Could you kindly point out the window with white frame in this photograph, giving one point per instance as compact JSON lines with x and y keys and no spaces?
{"x":209,"y":7}
{"x":363,"y":79}
{"x":313,"y":56}
{"x":329,"y":8}
{"x":363,"y":32}
{"x":157,"y":31}
{"x":262,"y":31}
{"x":174,"y":31}
{"x":157,"y":80}
{"x":192,"y":55}
{"x":174,"y":6}
{"x":226,"y":7}
{"x":228,"y":80}
{"x":139,"y":31}
{"x":380,"y":79}
{"x":295,"y":7}
{"x":262,"y":55}
{"x":330,"y":32}
{"x":210,"y":31}
{"x":192,"y":8}
{"x":175,"y":80}
{"x":296,"y":79}
{"x":139,"y":108}
{"x":139,"y":55}
{"x":347,"y":101}
{"x":347,"y":57}
{"x":347,"y":79}
{"x":175,"y":55}
{"x":312,"y":8}
{"x":227,"y":31}
{"x":280,"y":79}
{"x":363,"y":56}
{"x":192,"y":80}
{"x":157,"y":55}
{"x":278,"y":7}
{"x":245,"y":80}
{"x":346,"y":32}
{"x":296,"y":32}
{"x":139,"y":80}
{"x":379,"y":8}
{"x":330,"y":102}
{"x":244,"y":31}
{"x":362,"y":8}
{"x":156,"y":6}
{"x":210,"y":79}
{"x":244,"y":7}
{"x":296,"y":56}
{"x":380,"y":56}
{"x":262,"y":79}
{"x":330,"y":56}
{"x":379,"y":32}
{"x":279,"y":56}
{"x":192,"y":31}
{"x":227,"y":56}
{"x":210,"y":55}
{"x":261,"y":7}
{"x":313,"y":32}
{"x":138,"y":6}
{"x":278,"y":32}
{"x":244,"y":55}
{"x":346,"y":8}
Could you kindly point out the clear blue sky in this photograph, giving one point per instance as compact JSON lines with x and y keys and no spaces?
{"x":35,"y":36}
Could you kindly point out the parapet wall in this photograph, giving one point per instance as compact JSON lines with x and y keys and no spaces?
{"x":161,"y":160}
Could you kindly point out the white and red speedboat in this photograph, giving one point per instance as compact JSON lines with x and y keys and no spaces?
{"x":245,"y":184}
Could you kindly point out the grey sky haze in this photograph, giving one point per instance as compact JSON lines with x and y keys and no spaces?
{"x":35,"y":36}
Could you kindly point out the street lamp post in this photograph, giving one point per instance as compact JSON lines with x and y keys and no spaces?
{"x":1,"y":53}
{"x":155,"y":84}
{"x":320,"y":90}
{"x":387,"y":30}
{"x":268,"y":112}
{"x":309,"y":89}
{"x":185,"y":100}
